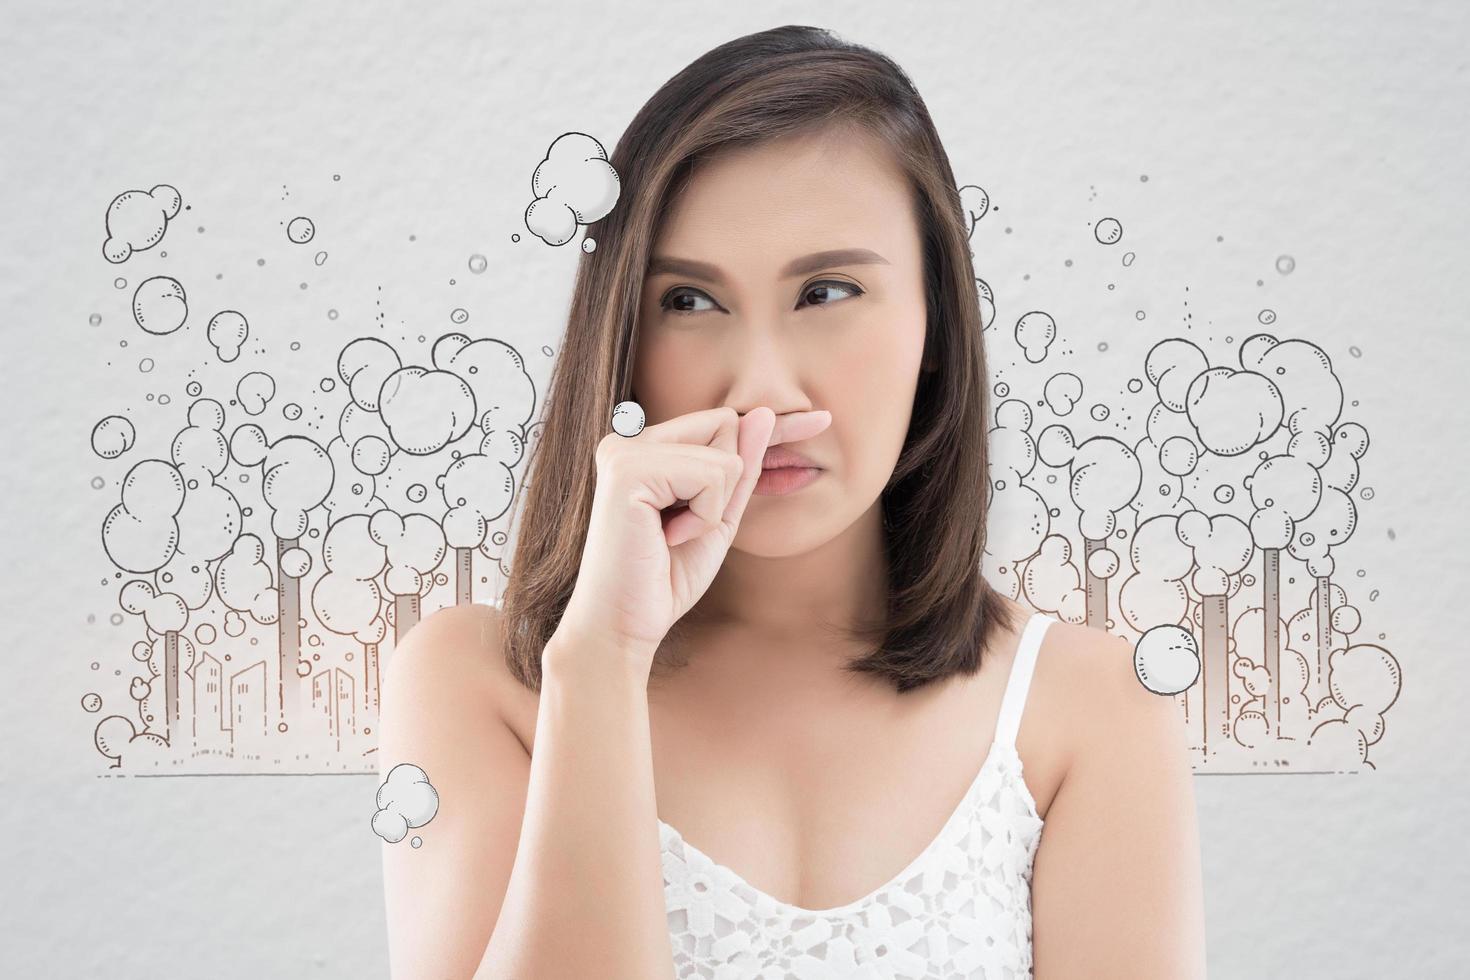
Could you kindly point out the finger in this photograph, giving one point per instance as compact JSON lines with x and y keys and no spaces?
{"x":796,"y":426}
{"x":755,"y":438}
{"x":709,"y":427}
{"x":708,"y":476}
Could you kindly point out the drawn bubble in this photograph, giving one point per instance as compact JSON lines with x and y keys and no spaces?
{"x":164,"y":399}
{"x":336,"y":176}
{"x":159,"y":305}
{"x":300,"y":230}
{"x":1135,"y":385}
{"x":112,"y":437}
{"x":417,"y":841}
{"x":1002,"y":389}
{"x":291,"y":410}
{"x":1061,"y":393}
{"x":459,"y":315}
{"x":1100,"y":412}
{"x":194,"y":389}
{"x":1224,"y":493}
{"x":136,"y":220}
{"x":1108,"y":231}
{"x":255,"y":391}
{"x":1284,"y":264}
{"x":1178,"y":456}
{"x":295,"y":562}
{"x":974,"y":205}
{"x":1267,"y":317}
{"x":145,"y":365}
{"x":1166,"y":659}
{"x":95,"y":319}
{"x":120,"y":283}
{"x":227,"y":332}
{"x":91,"y":702}
{"x":405,"y":799}
{"x":628,"y":418}
{"x":441,"y":578}
{"x":116,"y":619}
{"x":1366,"y":493}
{"x":515,"y":237}
{"x":370,"y":455}
{"x":234,"y":623}
{"x":98,"y":483}
{"x":417,"y":493}
{"x":1104,"y":563}
{"x":320,"y":258}
{"x":478,"y":264}
{"x":1034,"y":334}
{"x":205,"y":634}
{"x":331,"y":314}
{"x":1139,"y":315}
{"x":1355,"y":351}
{"x":1128,"y":259}
{"x":589,"y":245}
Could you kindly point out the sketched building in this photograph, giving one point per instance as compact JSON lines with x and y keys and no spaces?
{"x":209,"y":716}
{"x":247,"y":704}
{"x":332,"y":692}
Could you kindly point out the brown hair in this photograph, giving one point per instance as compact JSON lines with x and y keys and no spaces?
{"x":788,"y":80}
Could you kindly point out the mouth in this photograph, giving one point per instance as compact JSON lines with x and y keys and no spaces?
{"x":782,"y":458}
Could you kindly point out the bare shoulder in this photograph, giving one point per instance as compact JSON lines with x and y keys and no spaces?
{"x":441,"y":713}
{"x":1089,"y":677}
{"x":1117,"y":885}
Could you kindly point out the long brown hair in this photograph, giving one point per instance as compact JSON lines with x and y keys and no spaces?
{"x":788,"y":80}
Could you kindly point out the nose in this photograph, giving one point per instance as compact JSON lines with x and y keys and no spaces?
{"x":768,"y":368}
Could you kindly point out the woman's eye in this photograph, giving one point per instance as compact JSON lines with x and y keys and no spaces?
{"x":824,"y":288}
{"x":678,"y":301}
{"x":681,"y":294}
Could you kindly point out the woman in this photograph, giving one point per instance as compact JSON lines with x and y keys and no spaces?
{"x":832,"y":715}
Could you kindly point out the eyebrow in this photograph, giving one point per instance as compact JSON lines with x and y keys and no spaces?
{"x":662,"y":264}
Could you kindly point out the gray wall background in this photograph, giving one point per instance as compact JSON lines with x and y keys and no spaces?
{"x":1333,"y":132}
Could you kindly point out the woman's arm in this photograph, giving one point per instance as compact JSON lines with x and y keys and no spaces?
{"x":545,"y":868}
{"x":1116,"y":891}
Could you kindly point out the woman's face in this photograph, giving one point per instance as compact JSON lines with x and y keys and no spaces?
{"x":734,"y":312}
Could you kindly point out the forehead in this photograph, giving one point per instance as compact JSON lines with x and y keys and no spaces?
{"x":759,"y":205}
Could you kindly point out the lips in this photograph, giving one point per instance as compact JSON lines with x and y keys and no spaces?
{"x":780,"y":457}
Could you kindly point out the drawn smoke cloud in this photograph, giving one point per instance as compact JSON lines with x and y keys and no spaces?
{"x":406,"y":799}
{"x":574,"y":185}
{"x":136,"y":221}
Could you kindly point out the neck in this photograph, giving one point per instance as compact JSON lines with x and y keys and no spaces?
{"x":840,"y":582}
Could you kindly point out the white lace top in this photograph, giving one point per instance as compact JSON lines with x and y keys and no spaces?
{"x":961,"y":909}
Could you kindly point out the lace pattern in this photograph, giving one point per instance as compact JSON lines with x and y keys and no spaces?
{"x":961,"y":909}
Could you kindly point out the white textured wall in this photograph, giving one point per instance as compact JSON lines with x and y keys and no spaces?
{"x":1332,"y":132}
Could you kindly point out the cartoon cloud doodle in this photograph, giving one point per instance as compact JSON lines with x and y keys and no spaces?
{"x":347,"y":597}
{"x":479,"y":488}
{"x":574,"y":185}
{"x":405,"y":799}
{"x":415,"y":546}
{"x":296,"y":477}
{"x":136,"y":221}
{"x":116,"y":738}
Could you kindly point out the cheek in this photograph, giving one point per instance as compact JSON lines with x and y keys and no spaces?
{"x":872,"y":380}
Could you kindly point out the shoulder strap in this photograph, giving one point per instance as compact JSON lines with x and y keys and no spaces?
{"x":1013,"y":702}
